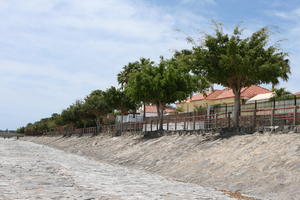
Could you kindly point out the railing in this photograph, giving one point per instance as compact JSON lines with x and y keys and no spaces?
{"x":248,"y":118}
{"x":199,"y":122}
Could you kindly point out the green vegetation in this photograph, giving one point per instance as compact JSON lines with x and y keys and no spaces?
{"x":162,"y":84}
{"x":229,"y":60}
{"x":234,"y":61}
{"x":281,"y":93}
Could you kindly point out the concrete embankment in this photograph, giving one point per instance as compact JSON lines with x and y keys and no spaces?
{"x":265,"y":166}
{"x":32,"y":171}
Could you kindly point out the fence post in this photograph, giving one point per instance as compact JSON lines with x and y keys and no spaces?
{"x":194,"y":122}
{"x":176,"y":123}
{"x":151,"y":126}
{"x":157,"y":124}
{"x":295,"y":111}
{"x":273,"y":113}
{"x":168,"y":125}
{"x":216,"y":120}
{"x":254,"y":114}
{"x":229,"y":119}
{"x":184,"y":124}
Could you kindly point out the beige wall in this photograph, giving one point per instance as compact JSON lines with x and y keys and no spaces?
{"x":189,"y":106}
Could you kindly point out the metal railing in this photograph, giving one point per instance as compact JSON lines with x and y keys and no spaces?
{"x":275,"y":113}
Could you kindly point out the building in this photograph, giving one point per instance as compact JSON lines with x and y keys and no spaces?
{"x":218,"y":97}
{"x":151,"y":111}
{"x":261,"y":98}
{"x":297,"y":94}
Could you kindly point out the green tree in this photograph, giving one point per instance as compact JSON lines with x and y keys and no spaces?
{"x":71,"y":115}
{"x":123,"y":76}
{"x":281,"y":93}
{"x":120,"y":101}
{"x":162,"y":84}
{"x":21,"y":130}
{"x":234,"y":61}
{"x":96,"y":105}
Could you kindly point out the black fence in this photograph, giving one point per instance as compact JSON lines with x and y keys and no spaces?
{"x":263,"y":114}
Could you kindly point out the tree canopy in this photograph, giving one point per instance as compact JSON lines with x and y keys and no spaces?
{"x":118,"y":99}
{"x":236,"y":62}
{"x":163,"y":83}
{"x":281,"y":93}
{"x":123,"y":76}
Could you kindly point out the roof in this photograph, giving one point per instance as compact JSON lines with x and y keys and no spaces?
{"x":297,"y":94}
{"x":199,"y":96}
{"x":254,"y":90}
{"x":153,"y":109}
{"x":261,"y":97}
{"x":246,"y":93}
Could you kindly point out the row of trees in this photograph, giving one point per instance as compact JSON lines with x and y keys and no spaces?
{"x":93,"y":110}
{"x":228,"y":60}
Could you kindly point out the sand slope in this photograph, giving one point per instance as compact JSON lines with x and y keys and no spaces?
{"x":264,"y":166}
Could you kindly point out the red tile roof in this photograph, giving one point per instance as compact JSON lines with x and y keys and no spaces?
{"x":153,"y":109}
{"x":199,"y":96}
{"x":217,"y":93}
{"x":247,"y":92}
{"x":297,"y":94}
{"x":254,"y":90}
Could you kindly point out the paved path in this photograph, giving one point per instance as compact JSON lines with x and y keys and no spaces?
{"x":32,"y":171}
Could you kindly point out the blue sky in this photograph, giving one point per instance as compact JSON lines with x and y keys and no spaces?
{"x":53,"y":52}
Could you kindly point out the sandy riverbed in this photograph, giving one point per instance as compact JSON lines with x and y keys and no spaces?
{"x":32,"y":171}
{"x":265,"y":166}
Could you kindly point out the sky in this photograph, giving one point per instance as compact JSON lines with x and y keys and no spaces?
{"x":53,"y":52}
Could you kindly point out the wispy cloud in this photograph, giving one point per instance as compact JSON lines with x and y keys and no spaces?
{"x":290,"y":27}
{"x":56,"y":51}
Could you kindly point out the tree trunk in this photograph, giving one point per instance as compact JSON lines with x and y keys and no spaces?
{"x":144,"y":114}
{"x":160,"y":114}
{"x":237,"y":107}
{"x":162,"y":117}
{"x":98,"y":125}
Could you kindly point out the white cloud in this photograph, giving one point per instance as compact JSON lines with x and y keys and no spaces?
{"x":56,"y":51}
{"x":198,"y":1}
{"x":291,"y":31}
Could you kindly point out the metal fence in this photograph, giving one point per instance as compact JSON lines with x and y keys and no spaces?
{"x":275,"y":113}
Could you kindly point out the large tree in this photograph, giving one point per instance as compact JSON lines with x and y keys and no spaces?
{"x":96,"y":105}
{"x":132,"y":67}
{"x":162,"y":84}
{"x":236,"y":62}
{"x":123,"y":76}
{"x":71,"y":115}
{"x":120,"y":101}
